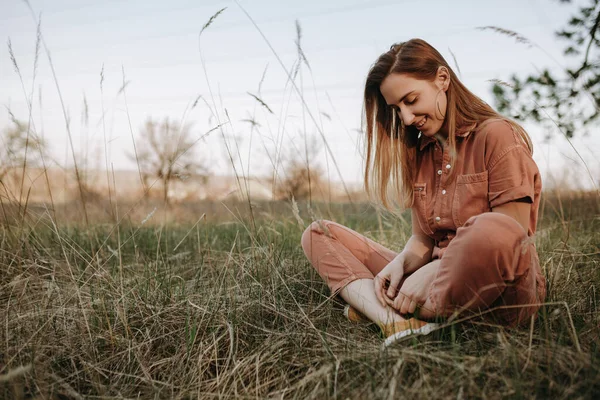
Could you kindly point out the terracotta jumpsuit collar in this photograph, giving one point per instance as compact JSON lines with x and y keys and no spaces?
{"x":462,"y":132}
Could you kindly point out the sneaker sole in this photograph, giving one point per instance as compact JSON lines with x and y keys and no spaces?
{"x":422,"y":331}
{"x":355,"y":321}
{"x":346,"y":312}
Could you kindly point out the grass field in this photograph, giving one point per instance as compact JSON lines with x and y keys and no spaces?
{"x":227,"y":306}
{"x":217,"y":300}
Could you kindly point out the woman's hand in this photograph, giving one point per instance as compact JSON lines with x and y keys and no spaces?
{"x":415,"y":289}
{"x":387,"y":281}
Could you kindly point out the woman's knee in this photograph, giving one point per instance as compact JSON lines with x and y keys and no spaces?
{"x":318,"y":227}
{"x":493,"y":224}
{"x":479,"y":260}
{"x":465,"y":286}
{"x":489,"y":234}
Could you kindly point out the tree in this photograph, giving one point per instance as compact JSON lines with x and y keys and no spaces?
{"x":165,"y":151}
{"x":19,"y":147}
{"x":300,"y":179}
{"x":561,"y":100}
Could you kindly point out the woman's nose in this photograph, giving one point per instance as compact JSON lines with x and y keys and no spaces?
{"x":408,"y":118}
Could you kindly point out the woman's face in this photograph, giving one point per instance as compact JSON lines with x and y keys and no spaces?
{"x":421,"y":103}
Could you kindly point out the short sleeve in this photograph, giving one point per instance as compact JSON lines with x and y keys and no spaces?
{"x":512,"y":172}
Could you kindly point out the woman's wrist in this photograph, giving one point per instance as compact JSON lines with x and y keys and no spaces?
{"x":416,"y":253}
{"x":414,"y":264}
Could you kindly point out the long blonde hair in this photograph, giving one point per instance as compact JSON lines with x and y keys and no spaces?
{"x":391,"y":147}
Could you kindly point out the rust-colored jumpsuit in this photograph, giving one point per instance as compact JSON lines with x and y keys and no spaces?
{"x":486,"y":258}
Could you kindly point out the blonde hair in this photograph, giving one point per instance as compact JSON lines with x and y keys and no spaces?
{"x":391,"y":147}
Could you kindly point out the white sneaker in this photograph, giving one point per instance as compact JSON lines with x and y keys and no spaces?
{"x":354,"y":316}
{"x":409,"y":328}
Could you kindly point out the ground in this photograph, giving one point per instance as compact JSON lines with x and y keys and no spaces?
{"x":174,"y":304}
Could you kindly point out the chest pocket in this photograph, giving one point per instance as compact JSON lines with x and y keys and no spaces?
{"x":470,"y":197}
{"x":421,"y":205}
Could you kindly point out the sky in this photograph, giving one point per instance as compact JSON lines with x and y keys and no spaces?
{"x":156,"y":48}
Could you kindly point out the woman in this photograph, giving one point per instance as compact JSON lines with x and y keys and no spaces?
{"x":473,"y":188}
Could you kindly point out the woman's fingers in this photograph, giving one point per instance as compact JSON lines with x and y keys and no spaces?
{"x":394,"y":282}
{"x":398,"y":301}
{"x":413,"y":306}
{"x":379,"y":289}
{"x":405,"y":305}
{"x":388,"y":301}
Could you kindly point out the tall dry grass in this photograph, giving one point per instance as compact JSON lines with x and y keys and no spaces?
{"x":210,"y":309}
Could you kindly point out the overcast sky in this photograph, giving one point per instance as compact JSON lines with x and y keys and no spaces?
{"x":155,"y":47}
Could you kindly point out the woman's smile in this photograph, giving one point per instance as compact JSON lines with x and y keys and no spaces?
{"x":421,"y":123}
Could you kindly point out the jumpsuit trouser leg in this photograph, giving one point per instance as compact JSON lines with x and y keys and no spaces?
{"x":490,"y":262}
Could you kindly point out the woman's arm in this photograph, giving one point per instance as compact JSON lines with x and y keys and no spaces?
{"x":519,"y":210}
{"x":418,"y":248}
{"x":513,"y":176}
{"x":416,"y":253}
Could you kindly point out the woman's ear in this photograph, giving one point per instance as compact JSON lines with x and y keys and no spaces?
{"x":443,"y":78}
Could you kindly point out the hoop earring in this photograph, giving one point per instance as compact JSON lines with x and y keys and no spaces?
{"x":437,"y":105}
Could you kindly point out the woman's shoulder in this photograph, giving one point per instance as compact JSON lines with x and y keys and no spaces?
{"x":498,"y":133}
{"x":494,"y":127}
{"x":497,"y":137}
